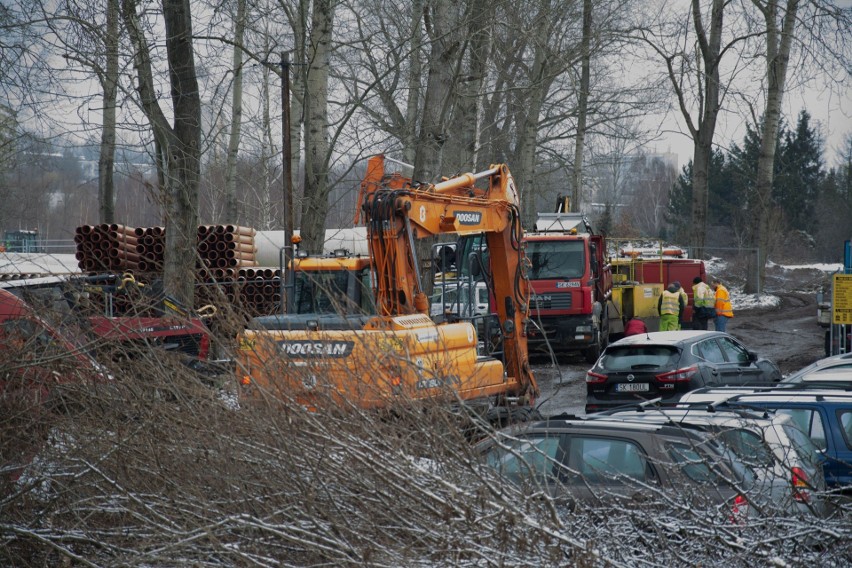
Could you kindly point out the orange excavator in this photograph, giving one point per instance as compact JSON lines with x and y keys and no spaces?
{"x":398,"y":353}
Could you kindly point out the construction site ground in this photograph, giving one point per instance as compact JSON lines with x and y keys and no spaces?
{"x":788,"y":334}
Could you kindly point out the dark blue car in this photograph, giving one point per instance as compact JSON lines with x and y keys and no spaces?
{"x":825,"y":415}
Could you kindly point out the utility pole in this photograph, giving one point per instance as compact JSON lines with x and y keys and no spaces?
{"x":286,"y":173}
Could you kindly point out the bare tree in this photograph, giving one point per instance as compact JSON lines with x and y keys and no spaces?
{"x":811,"y":26}
{"x":109,"y":80}
{"x":178,"y":146}
{"x":232,"y":213}
{"x":582,"y":107}
{"x":704,"y":97}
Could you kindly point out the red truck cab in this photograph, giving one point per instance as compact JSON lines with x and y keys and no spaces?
{"x":571,"y":283}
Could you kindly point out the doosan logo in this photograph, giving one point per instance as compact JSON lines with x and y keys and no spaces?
{"x":468,"y":217}
{"x":317,"y":348}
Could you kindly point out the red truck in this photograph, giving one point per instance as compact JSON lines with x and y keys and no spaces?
{"x":85,"y":310}
{"x":570,"y":282}
{"x":580,"y":299}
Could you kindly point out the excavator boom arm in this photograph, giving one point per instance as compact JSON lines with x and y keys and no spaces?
{"x":397,"y":213}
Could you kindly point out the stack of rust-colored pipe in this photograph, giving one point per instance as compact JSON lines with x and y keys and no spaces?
{"x":151,"y":247}
{"x":259,"y":290}
{"x":107,"y":247}
{"x":226,"y":246}
{"x":256,"y":291}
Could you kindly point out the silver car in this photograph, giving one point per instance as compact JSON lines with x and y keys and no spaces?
{"x":833,"y":371}
{"x":784,"y":460}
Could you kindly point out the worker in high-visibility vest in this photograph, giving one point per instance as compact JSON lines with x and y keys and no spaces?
{"x":685,"y":298}
{"x":670,"y":306}
{"x":703,"y":303}
{"x":724,"y":310}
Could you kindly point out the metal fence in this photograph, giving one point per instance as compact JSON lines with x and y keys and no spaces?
{"x":742,"y":264}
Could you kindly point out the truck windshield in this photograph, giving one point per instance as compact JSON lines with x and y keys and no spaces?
{"x":556,"y":259}
{"x":333,"y":292}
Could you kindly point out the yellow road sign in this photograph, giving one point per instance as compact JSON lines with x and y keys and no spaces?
{"x":841,"y":305}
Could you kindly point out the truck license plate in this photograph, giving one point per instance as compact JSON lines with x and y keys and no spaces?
{"x":632,"y":387}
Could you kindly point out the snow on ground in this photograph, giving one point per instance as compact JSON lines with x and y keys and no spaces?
{"x":830,"y":268}
{"x":13,"y":263}
{"x":744,"y":301}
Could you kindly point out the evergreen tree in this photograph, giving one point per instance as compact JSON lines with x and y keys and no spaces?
{"x":834,"y":206}
{"x":680,"y":201}
{"x":723,"y":199}
{"x":799,"y":174}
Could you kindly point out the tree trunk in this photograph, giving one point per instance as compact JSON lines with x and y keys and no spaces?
{"x":778,"y":45}
{"x":440,"y":90}
{"x":179,"y":145}
{"x":316,"y":129}
{"x":232,"y":212}
{"x":298,"y":107}
{"x":528,"y":124}
{"x":702,"y":151}
{"x":582,"y":108}
{"x":440,"y":87}
{"x":106,"y":159}
{"x":463,"y":151}
{"x":409,"y":135}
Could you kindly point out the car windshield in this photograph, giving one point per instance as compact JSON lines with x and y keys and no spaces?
{"x":556,"y":259}
{"x":639,"y":357}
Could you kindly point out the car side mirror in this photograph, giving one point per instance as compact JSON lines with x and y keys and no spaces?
{"x":752,"y":356}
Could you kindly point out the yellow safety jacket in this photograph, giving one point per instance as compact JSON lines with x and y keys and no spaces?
{"x":703,"y":296}
{"x":723,"y":302}
{"x":670,"y":303}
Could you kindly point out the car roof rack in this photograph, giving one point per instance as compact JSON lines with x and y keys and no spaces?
{"x":823,"y":389}
{"x":637,"y":406}
{"x":713,"y":406}
{"x":562,"y":416}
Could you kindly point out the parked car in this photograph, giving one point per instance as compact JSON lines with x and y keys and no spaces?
{"x":783,"y":459}
{"x":829,"y":369}
{"x":581,"y":463}
{"x":824,"y":415}
{"x":668,"y":364}
{"x":459,"y":298}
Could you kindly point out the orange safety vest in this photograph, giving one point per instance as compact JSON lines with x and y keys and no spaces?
{"x":723,"y":302}
{"x":670,"y":303}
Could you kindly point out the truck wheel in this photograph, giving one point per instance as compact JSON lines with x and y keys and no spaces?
{"x":592,"y":353}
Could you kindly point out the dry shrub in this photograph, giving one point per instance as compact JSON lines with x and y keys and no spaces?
{"x":157,"y":468}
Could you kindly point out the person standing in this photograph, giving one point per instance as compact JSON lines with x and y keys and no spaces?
{"x":703,"y":303}
{"x":724,"y":310}
{"x":685,"y":298}
{"x":670,"y":305}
